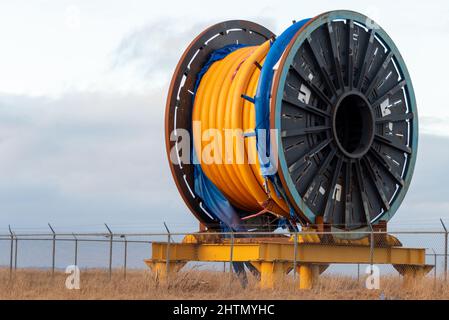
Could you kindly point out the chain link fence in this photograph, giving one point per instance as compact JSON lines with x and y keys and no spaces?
{"x":112,"y":251}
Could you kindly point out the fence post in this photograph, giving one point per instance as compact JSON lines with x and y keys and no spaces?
{"x":371,"y":251}
{"x":15,"y":251}
{"x":53,"y":251}
{"x":445,"y":249}
{"x":111,"y":238}
{"x":167,"y":258}
{"x":434,"y":268}
{"x":231,"y":258}
{"x":76,"y":249}
{"x":11,"y":251}
{"x":125,"y":258}
{"x":358,"y":272}
{"x":295,"y":257}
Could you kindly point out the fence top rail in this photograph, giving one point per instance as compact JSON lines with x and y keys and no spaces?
{"x":160,"y":234}
{"x":74,"y":239}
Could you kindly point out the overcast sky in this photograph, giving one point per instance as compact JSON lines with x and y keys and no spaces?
{"x":82,"y":92}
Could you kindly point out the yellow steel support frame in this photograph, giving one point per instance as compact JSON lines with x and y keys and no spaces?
{"x":274,"y":260}
{"x":308,"y":275}
{"x":271,"y":272}
{"x":160,"y":271}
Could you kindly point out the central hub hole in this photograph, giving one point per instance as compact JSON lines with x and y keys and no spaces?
{"x":354,"y":125}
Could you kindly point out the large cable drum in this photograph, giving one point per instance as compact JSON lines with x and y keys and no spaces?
{"x":336,"y":99}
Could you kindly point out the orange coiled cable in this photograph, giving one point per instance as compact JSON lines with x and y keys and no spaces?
{"x":220,"y":117}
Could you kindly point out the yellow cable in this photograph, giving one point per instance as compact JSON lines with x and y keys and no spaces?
{"x":219,"y":106}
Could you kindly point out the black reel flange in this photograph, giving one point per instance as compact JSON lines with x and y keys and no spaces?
{"x":344,"y":105}
{"x":178,"y":112}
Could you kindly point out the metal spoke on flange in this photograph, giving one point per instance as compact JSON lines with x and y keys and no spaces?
{"x":379,"y":74}
{"x":377,"y":185}
{"x":348,"y":193}
{"x":304,"y":131}
{"x":331,"y":191}
{"x":390,"y":93}
{"x":392,"y":143}
{"x":322,"y":66}
{"x":324,"y":165}
{"x":395,"y":118}
{"x":351,"y":54}
{"x":362,"y":191}
{"x":289,"y":92}
{"x":314,"y":88}
{"x":336,"y":54}
{"x":379,"y":159}
{"x":368,"y":55}
{"x":309,"y":155}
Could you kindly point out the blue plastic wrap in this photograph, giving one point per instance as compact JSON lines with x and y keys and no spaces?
{"x":262,"y":99}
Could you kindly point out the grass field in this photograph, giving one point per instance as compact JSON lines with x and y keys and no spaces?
{"x":194,"y":284}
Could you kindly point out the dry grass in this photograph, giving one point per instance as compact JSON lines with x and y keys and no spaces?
{"x":194,"y":284}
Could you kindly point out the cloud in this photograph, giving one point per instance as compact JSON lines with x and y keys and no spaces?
{"x":434,"y":125}
{"x":426,"y":201}
{"x":154,"y":49}
{"x":85,"y":158}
